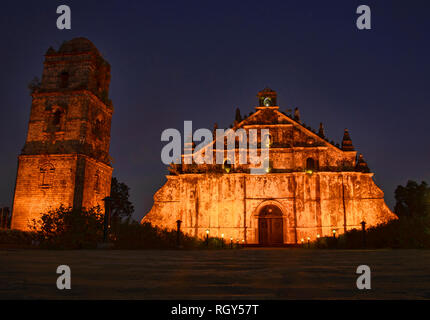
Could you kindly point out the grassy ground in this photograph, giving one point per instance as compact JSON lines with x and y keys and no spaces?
{"x":255,"y":273}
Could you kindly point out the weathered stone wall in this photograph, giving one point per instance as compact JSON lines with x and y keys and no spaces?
{"x":229,"y":204}
{"x":36,"y":191}
{"x":97,"y":183}
{"x":84,"y":67}
{"x":65,"y":159}
{"x":70,"y":180}
{"x":84,"y":125}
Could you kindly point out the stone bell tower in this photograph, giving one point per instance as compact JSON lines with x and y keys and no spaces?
{"x":65,"y":159}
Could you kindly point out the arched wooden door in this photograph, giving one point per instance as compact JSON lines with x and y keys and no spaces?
{"x":270,"y":226}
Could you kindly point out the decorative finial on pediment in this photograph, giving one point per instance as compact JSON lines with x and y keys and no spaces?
{"x":347,"y":142}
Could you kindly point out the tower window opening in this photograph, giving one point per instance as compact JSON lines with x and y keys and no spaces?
{"x":64,"y":79}
{"x":98,"y":127}
{"x":97,"y":182}
{"x":56,"y":121}
{"x":46,"y":175}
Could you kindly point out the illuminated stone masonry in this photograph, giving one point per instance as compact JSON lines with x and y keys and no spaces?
{"x":65,"y":159}
{"x":311,"y":188}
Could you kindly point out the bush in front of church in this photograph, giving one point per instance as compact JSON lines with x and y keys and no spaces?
{"x":133,"y":235}
{"x":404,"y":233}
{"x":69,"y":228}
{"x":16,"y":238}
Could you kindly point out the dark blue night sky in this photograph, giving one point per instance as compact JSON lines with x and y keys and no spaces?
{"x":179,"y":60}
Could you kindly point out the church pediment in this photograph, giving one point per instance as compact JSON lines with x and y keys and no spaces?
{"x":266,"y":116}
{"x":292,"y":145}
{"x":292,"y":132}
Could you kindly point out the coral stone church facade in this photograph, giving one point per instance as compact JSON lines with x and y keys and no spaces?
{"x":311,"y":188}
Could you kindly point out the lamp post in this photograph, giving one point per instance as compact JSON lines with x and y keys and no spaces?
{"x":309,"y":242}
{"x":334,"y":233}
{"x":4,"y":218}
{"x":363,"y":228}
{"x":231,"y":242}
{"x":303,"y":241}
{"x":207,"y":237}
{"x":7,"y":217}
{"x":318,"y":240}
{"x":222,"y":240}
{"x":178,"y":233}
{"x":106,"y":224}
{"x":1,"y":219}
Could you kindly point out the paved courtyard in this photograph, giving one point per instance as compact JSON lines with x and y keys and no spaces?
{"x":225,"y":274}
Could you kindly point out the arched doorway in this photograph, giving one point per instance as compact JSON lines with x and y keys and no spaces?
{"x":270,"y":226}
